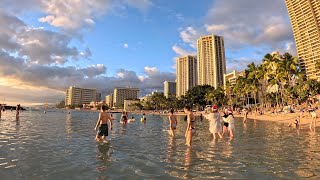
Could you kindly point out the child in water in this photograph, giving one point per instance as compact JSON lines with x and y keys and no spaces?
{"x":143,"y":119}
{"x":296,"y":122}
{"x":173,"y":122}
{"x":104,"y":117}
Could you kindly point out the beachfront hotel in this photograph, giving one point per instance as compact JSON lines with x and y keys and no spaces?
{"x":305,"y":21}
{"x":232,"y":77}
{"x":211,"y":60}
{"x":121,"y":94}
{"x":169,"y":88}
{"x":109,"y":100}
{"x":76,"y":96}
{"x":186,"y":73}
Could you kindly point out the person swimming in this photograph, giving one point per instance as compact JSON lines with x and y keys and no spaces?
{"x":131,"y":120}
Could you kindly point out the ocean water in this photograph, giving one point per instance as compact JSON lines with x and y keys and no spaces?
{"x":58,"y":145}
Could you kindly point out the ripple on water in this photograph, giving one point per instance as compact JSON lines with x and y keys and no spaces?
{"x":57,"y":145}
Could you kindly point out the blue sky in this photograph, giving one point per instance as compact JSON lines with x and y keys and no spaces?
{"x":48,"y":45}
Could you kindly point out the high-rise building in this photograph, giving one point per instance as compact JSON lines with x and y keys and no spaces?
{"x":211,"y":60}
{"x":305,"y":21}
{"x":169,"y":88}
{"x":79,"y":96}
{"x":186,"y":73}
{"x":109,"y":100}
{"x":121,"y":94}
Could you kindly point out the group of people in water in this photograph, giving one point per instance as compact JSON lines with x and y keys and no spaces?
{"x":18,"y":109}
{"x":218,"y":125}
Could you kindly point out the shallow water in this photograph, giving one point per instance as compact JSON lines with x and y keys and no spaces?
{"x":58,"y":145}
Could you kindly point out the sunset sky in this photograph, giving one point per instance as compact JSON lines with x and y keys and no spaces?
{"x":48,"y":45}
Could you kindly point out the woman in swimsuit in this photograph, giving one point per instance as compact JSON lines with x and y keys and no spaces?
{"x":173,"y":122}
{"x":225,"y":122}
{"x":190,"y":127}
{"x":124,"y":117}
{"x":230,"y":120}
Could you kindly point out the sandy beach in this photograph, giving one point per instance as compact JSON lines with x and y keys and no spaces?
{"x":285,"y":118}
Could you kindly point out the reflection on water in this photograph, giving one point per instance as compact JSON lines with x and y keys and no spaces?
{"x":60,"y":145}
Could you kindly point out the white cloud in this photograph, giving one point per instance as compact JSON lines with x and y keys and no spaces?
{"x":151,"y":70}
{"x":125,"y":45}
{"x":181,"y":52}
{"x":72,"y":15}
{"x":190,"y":35}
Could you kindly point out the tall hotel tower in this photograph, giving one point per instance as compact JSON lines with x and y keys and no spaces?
{"x":186,"y":74}
{"x":211,"y":60}
{"x":305,"y":21}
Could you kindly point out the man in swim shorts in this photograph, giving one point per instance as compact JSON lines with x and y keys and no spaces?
{"x":104,"y":117}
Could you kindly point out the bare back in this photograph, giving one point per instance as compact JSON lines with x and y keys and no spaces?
{"x":104,"y":117}
{"x":173,"y":119}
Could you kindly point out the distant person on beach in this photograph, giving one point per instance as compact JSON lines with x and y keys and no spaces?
{"x":190,"y":126}
{"x":102,"y":123}
{"x":173,"y":122}
{"x":18,"y":108}
{"x":313,"y":119}
{"x":124,"y":117}
{"x":215,"y":120}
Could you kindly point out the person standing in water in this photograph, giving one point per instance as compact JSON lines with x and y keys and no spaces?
{"x":190,"y":126}
{"x":102,"y":123}
{"x":18,"y":108}
{"x":230,"y":120}
{"x":173,"y":122}
{"x":0,"y":110}
{"x":245,"y":115}
{"x":214,"y":122}
{"x":225,"y":122}
{"x":124,"y":117}
{"x":143,"y":119}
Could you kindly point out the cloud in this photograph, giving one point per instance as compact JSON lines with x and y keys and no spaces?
{"x":249,"y":22}
{"x":181,"y":52}
{"x":71,"y":15}
{"x":190,"y":35}
{"x":37,"y":45}
{"x":125,"y":45}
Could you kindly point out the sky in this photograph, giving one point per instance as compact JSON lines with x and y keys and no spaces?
{"x":49,"y":45}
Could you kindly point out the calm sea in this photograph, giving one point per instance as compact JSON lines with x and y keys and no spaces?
{"x":58,"y":145}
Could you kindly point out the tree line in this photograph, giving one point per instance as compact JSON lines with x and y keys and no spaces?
{"x":277,"y":81}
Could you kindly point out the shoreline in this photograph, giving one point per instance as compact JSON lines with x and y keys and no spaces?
{"x":284,"y":118}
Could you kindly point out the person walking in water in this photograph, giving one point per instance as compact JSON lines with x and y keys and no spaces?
{"x":102,"y":123}
{"x":173,"y":122}
{"x":214,"y":122}
{"x":190,"y":126}
{"x":18,"y":108}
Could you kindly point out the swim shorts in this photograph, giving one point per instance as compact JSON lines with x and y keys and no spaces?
{"x":103,"y":130}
